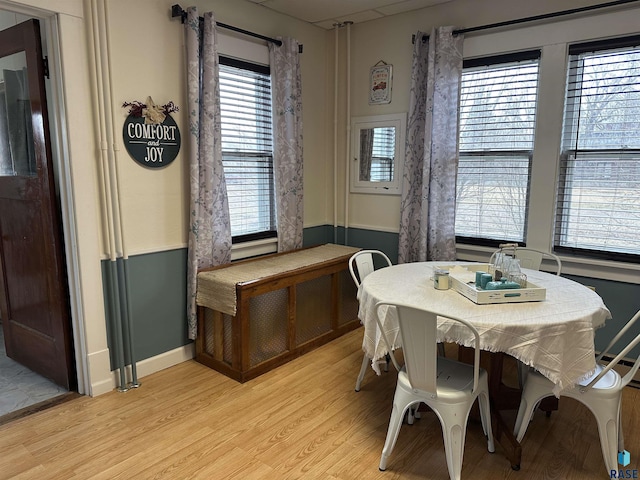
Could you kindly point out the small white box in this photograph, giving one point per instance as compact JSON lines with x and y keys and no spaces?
{"x":463,"y":281}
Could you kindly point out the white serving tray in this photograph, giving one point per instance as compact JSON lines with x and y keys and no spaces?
{"x":462,"y":279}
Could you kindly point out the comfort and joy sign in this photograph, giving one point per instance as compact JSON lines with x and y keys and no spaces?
{"x":150,"y":135}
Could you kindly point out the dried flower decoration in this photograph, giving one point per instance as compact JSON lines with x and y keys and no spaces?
{"x":152,"y":113}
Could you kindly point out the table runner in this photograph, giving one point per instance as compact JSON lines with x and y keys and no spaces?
{"x":216,"y":289}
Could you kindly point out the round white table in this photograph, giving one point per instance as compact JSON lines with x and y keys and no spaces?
{"x":555,"y":335}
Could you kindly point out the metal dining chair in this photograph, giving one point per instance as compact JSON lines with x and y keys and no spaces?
{"x":361,"y":264}
{"x":532,"y":259}
{"x":447,"y":386}
{"x":601,"y":393}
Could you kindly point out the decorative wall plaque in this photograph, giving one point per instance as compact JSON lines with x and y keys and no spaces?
{"x":380,"y":79}
{"x":150,"y":135}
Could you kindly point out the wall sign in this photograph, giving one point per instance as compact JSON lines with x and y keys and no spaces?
{"x":150,"y":135}
{"x":380,"y":83}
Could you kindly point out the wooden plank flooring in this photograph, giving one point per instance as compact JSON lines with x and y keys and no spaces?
{"x":301,"y":420}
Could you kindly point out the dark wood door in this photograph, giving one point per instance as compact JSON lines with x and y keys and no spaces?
{"x":34,"y":297}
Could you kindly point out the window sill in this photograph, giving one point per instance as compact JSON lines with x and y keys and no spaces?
{"x":254,"y":248}
{"x":583,"y":267}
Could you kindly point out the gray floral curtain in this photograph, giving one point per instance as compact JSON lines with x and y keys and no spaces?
{"x":427,"y":208}
{"x":209,"y":224}
{"x":366,"y":153}
{"x":286,"y":85}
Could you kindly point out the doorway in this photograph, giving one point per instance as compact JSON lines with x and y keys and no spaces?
{"x":34,"y":291}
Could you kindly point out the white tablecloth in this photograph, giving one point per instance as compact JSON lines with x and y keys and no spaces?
{"x":555,"y":336}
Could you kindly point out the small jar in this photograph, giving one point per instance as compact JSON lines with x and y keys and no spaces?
{"x":440,"y":279}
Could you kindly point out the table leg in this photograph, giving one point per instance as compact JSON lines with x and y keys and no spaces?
{"x":503,"y":397}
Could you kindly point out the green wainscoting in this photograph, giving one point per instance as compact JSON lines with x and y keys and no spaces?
{"x":157,"y":288}
{"x":623,"y":300}
{"x":357,"y":237}
{"x":157,"y":285}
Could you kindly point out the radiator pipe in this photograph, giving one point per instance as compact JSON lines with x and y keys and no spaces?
{"x":123,"y":270}
{"x":107,"y":195}
{"x":348,"y":137}
{"x":336,"y":26}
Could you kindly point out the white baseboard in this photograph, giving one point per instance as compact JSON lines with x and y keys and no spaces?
{"x":144,"y":368}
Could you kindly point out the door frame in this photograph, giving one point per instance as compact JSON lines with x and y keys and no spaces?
{"x":62,"y":179}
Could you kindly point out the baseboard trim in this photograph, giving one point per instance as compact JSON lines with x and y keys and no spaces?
{"x":145,"y":367}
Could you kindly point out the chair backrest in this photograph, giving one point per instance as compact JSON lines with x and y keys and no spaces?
{"x":630,"y":346}
{"x":531,"y":258}
{"x":364,"y":264}
{"x":418,"y":331}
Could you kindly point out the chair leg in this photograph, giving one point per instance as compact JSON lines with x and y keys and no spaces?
{"x":608,"y":428}
{"x":454,"y":429}
{"x":523,"y":371}
{"x":363,"y":370}
{"x":400,"y":405}
{"x":485,"y":418}
{"x":620,"y":437}
{"x":525,"y":412}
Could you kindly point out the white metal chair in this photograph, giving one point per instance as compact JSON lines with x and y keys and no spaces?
{"x":447,"y":386}
{"x":532,"y":259}
{"x":601,"y":393}
{"x":361,"y":264}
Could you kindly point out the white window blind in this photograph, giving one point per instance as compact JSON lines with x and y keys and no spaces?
{"x":598,"y":205}
{"x":497,"y":121}
{"x":383,"y":152}
{"x":247,"y":147}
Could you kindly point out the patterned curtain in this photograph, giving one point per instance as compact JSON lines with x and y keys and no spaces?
{"x":427,"y":208}
{"x":209,"y":224}
{"x":366,"y":153}
{"x":286,"y":85}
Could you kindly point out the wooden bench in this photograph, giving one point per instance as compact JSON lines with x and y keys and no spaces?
{"x":257,"y":314}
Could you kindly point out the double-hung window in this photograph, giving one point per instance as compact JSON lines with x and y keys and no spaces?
{"x":383,"y":152}
{"x":497,"y":120}
{"x":247,"y":148}
{"x":598,"y":204}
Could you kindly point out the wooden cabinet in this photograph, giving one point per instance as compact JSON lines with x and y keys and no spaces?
{"x":257,"y":314}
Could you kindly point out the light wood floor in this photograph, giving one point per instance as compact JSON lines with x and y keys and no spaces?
{"x":303,"y":420}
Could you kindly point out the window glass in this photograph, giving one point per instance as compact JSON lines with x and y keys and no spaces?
{"x":598,"y":205}
{"x":383,"y":152}
{"x":247,"y":148}
{"x":497,"y":122}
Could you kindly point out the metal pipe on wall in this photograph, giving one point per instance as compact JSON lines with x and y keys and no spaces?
{"x":107,"y":192}
{"x":348,"y":137}
{"x":125,"y":283}
{"x":336,"y":26}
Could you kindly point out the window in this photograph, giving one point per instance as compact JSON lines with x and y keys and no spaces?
{"x":383,"y":153}
{"x":247,"y":148}
{"x":497,"y":119}
{"x":598,"y":205}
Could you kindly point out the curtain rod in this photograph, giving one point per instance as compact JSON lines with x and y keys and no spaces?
{"x":178,"y":11}
{"x":534,"y":18}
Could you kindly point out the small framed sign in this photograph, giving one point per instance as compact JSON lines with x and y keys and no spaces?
{"x":150,"y":135}
{"x":380,"y":80}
